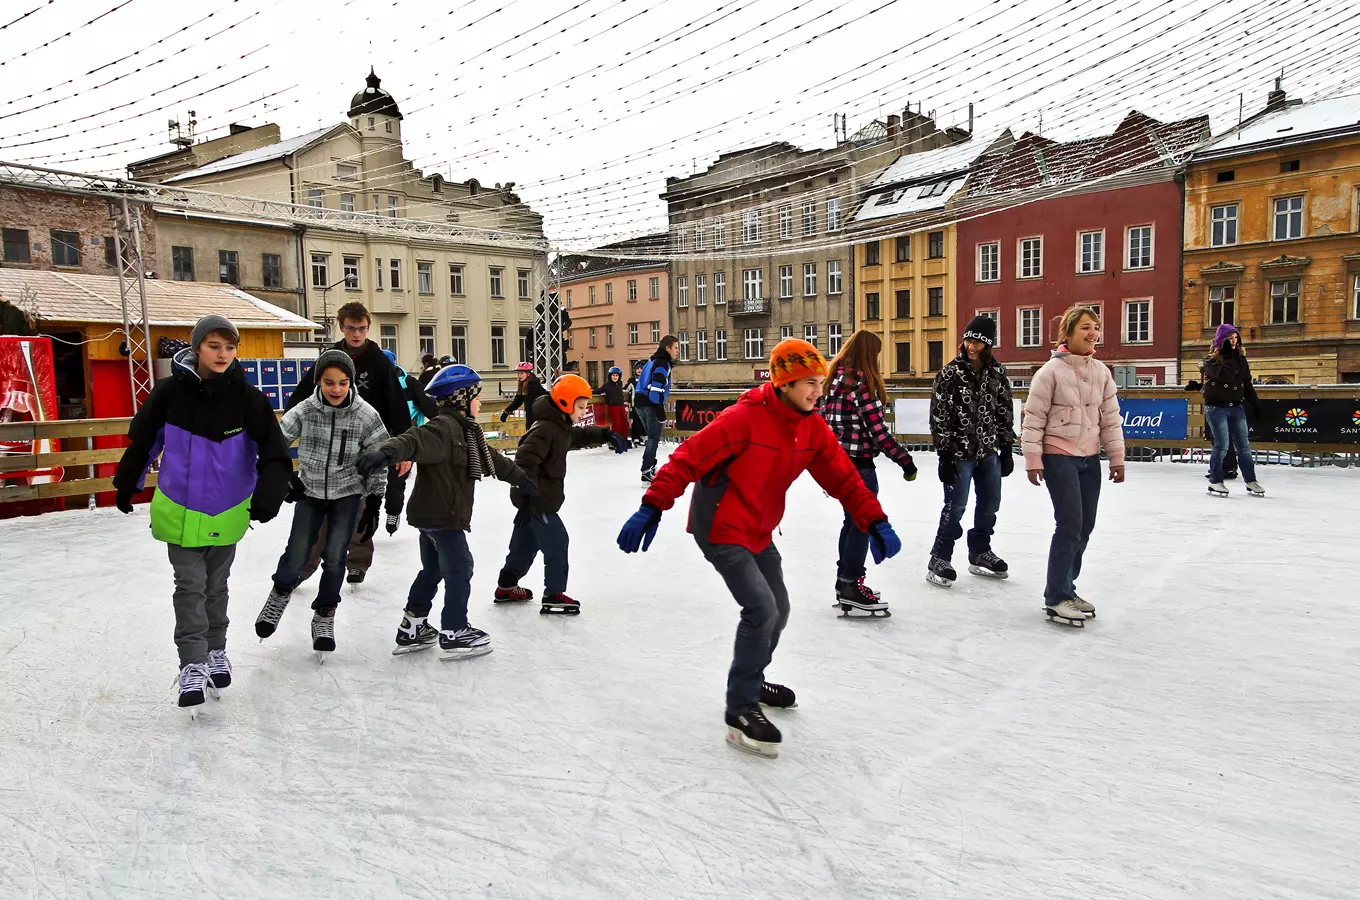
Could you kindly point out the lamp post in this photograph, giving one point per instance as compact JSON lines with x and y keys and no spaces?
{"x":349,"y":281}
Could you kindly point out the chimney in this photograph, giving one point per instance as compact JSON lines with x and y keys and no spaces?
{"x":894,"y":126}
{"x":1276,"y":99}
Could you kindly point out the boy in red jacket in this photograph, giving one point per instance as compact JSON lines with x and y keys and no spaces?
{"x":747,"y":458}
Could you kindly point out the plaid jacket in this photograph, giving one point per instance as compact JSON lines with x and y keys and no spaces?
{"x":971,"y":414}
{"x":859,"y":420}
{"x":329,"y":439}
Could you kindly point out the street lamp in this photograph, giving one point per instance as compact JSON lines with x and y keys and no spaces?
{"x":349,"y":281}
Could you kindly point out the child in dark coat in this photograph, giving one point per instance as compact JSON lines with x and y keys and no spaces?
{"x":612,"y":390}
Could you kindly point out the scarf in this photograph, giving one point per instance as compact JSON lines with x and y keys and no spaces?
{"x":480,"y":464}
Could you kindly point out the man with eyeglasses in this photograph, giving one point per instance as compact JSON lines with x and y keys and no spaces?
{"x":376,"y":379}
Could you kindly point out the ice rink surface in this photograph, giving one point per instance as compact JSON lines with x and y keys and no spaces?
{"x":1198,"y":740}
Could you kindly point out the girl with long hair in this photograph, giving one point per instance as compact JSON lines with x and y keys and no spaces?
{"x":1228,"y":392}
{"x":527,"y":391}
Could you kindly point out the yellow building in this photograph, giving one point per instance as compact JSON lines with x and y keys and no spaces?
{"x":1272,"y":215}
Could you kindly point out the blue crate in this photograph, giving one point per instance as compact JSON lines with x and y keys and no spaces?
{"x":252,"y":370}
{"x":290,"y":372}
{"x":269,"y":372}
{"x":274,"y":396}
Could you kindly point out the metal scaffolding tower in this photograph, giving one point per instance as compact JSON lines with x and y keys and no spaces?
{"x":549,"y":341}
{"x":127,"y":219}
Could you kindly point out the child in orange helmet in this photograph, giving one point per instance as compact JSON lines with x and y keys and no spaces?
{"x":542,"y":455}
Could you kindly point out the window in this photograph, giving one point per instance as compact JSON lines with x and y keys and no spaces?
{"x":456,"y":279}
{"x":387,"y":338}
{"x":377,"y":205}
{"x":370,"y":123}
{"x":228,"y":267}
{"x":750,"y":226}
{"x":110,"y":251}
{"x":1288,"y":218}
{"x":394,"y":274}
{"x":785,"y":222}
{"x":632,"y":333}
{"x":498,"y":346}
{"x":388,"y":127}
{"x":903,"y":248}
{"x":810,"y":217}
{"x":591,"y":292}
{"x":1355,"y":301}
{"x":871,"y":254}
{"x":632,"y":291}
{"x":593,"y":372}
{"x":989,"y":262}
{"x":1291,"y":165}
{"x":181,"y":262}
{"x":321,"y":270}
{"x":700,"y":290}
{"x":903,"y":304}
{"x":1284,"y":302}
{"x":1030,"y":327}
{"x":1223,"y":225}
{"x":833,"y":276}
{"x":752,"y":284}
{"x":351,"y":272}
{"x":1226,"y":175}
{"x":935,"y":355}
{"x":935,"y":301}
{"x":609,"y":335}
{"x":593,"y":338}
{"x":1137,"y":321}
{"x":809,"y":279}
{"x":719,"y":288}
{"x":377,"y":273}
{"x":391,"y":207}
{"x":1222,"y":305}
{"x":526,"y":344}
{"x":785,"y":282}
{"x":347,"y":203}
{"x":522,"y":284}
{"x":426,"y":334}
{"x":16,"y":247}
{"x":785,"y":332}
{"x":609,"y":292}
{"x":271,"y":265}
{"x":682,"y":291}
{"x":701,"y":346}
{"x":754,"y":343}
{"x":498,"y":289}
{"x":1140,"y":247}
{"x":833,"y":339}
{"x":459,"y":349}
{"x":1031,"y":258}
{"x":684,"y":345}
{"x":424,"y":277}
{"x":654,"y":288}
{"x":1091,"y":251}
{"x":698,"y":237}
{"x":66,"y":248}
{"x":995,"y":316}
{"x":569,"y":298}
{"x":720,"y":344}
{"x":833,"y":214}
{"x":935,"y":245}
{"x":346,"y":173}
{"x":720,"y":235}
{"x":810,"y":334}
{"x":871,"y":306}
{"x":316,"y":198}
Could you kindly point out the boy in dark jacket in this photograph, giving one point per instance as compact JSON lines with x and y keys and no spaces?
{"x":612,"y":390}
{"x":224,"y":462}
{"x":452,"y":454}
{"x":542,"y":455}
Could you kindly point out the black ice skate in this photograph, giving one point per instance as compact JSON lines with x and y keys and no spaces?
{"x":355,"y":576}
{"x":323,"y":633}
{"x":560,"y":604}
{"x":1216,"y":489}
{"x":194,"y":681}
{"x":268,"y":620}
{"x":464,"y":644}
{"x":940,"y":572}
{"x":1254,"y":489}
{"x":858,"y":600}
{"x":514,"y":594}
{"x":1066,"y":613}
{"x":648,"y":475}
{"x":778,"y":696}
{"x":414,"y":633}
{"x":988,"y":565}
{"x":219,"y":668}
{"x":752,"y":732}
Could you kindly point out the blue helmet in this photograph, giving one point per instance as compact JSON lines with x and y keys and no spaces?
{"x":450,"y":379}
{"x":615,"y":370}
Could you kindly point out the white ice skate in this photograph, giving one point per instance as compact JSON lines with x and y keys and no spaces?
{"x":1254,"y":489}
{"x":1216,"y":489}
{"x":1066,"y":613}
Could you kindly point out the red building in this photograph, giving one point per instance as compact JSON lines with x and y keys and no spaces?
{"x":1095,"y":222}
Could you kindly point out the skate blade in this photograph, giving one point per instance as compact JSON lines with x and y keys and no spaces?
{"x":939,"y":582}
{"x":560,"y":611}
{"x":861,"y":612}
{"x":1063,"y":620}
{"x":759,"y":748}
{"x":470,"y":653}
{"x":988,"y":573}
{"x":793,"y":705}
{"x":412,"y":648}
{"x":512,"y":600}
{"x":321,"y":656}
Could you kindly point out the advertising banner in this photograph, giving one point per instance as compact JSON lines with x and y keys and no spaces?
{"x":1155,"y":419}
{"x":1308,"y":422}
{"x":28,"y":393}
{"x":692,"y":415}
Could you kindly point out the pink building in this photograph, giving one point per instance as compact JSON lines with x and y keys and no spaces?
{"x":618,"y":307}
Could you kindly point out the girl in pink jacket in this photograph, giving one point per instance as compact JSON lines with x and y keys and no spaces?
{"x":1071,"y":411}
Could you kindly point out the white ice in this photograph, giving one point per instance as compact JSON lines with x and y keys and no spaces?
{"x":1198,"y":740}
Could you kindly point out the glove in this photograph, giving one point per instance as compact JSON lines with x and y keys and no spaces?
{"x":529,"y":488}
{"x":373,"y":460}
{"x":295,"y":489}
{"x":883,"y":541}
{"x":505,"y":414}
{"x":368,"y":519}
{"x":639,"y":529}
{"x":909,"y":470}
{"x":946,"y":471}
{"x":393,"y":523}
{"x":1007,"y":460}
{"x":263,"y":515}
{"x":123,"y":500}
{"x":619,"y":444}
{"x":1192,"y":385}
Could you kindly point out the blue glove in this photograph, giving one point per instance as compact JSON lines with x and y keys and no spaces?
{"x":640,"y":529}
{"x":883,"y":541}
{"x":620,"y":445}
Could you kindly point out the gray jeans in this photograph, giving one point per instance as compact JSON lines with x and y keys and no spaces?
{"x":756,"y":581}
{"x":200,"y":599}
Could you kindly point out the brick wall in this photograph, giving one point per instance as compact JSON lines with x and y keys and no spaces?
{"x":39,"y":213}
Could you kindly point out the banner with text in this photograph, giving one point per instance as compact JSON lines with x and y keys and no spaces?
{"x":1308,"y":422}
{"x":692,"y":415}
{"x":1155,"y":419}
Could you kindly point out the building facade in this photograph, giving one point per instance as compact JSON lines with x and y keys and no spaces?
{"x":761,"y":250}
{"x":619,"y":307}
{"x":64,"y":232}
{"x":1272,"y":242}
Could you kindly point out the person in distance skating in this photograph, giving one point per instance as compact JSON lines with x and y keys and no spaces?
{"x":542,"y":455}
{"x":649,"y":399}
{"x":612,"y":390}
{"x":451,"y":454}
{"x":742,"y":465}
{"x":855,"y":408}
{"x":1228,"y":393}
{"x":1229,"y":461}
{"x":333,"y":427}
{"x":527,"y":392}
{"x":972,"y":424}
{"x":637,"y":434}
{"x":205,"y":415}
{"x":1072,"y":409}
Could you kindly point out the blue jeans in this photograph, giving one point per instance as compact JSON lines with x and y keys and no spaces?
{"x":854,"y":544}
{"x":444,"y":555}
{"x":1074,"y":487}
{"x":986,"y":474}
{"x":309,"y":514}
{"x":532,"y":533}
{"x":1229,"y":425}
{"x":756,"y":581}
{"x":650,"y":416}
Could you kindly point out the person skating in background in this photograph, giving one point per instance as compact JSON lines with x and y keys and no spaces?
{"x":741,"y":466}
{"x":1072,"y":410}
{"x":637,"y":432}
{"x":972,"y":425}
{"x":612,"y":390}
{"x":1228,"y":393}
{"x":527,"y":393}
{"x":452,"y":455}
{"x":421,"y":409}
{"x":649,"y":398}
{"x":429,"y":365}
{"x":375,"y":379}
{"x":333,"y":428}
{"x":205,"y":415}
{"x":856,"y":409}
{"x":1230,"y":460}
{"x":542,"y":455}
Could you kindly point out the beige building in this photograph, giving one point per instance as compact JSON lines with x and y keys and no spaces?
{"x":619,"y":306}
{"x":762,"y":251}
{"x":464,"y":285}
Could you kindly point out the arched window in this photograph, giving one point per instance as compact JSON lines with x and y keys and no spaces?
{"x":437,"y":183}
{"x":473,"y":186}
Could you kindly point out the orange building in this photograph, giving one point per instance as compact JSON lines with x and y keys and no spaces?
{"x":618,"y":307}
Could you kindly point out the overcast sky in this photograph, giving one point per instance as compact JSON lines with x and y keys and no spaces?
{"x":590,"y":112}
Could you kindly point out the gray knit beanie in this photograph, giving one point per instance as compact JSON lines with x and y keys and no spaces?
{"x":332,"y":358}
{"x":207,"y":325}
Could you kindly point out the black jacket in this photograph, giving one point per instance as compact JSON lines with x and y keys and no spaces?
{"x":424,"y":403}
{"x":444,"y":490}
{"x":971,"y":414}
{"x":376,"y":380}
{"x":533,"y":389}
{"x":542,"y":453}
{"x":613,"y":392}
{"x":1227,"y":381}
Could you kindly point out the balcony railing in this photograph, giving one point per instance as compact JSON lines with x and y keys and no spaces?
{"x":749,"y":306}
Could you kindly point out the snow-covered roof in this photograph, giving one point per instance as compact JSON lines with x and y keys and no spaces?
{"x":920,"y":182}
{"x":901,"y":201}
{"x":945,"y":160}
{"x":1310,"y":121}
{"x":176,"y":212}
{"x":252,"y":157}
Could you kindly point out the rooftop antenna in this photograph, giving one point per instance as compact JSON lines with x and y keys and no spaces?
{"x":1241,"y":101}
{"x":1041,"y":123}
{"x":178,"y":135}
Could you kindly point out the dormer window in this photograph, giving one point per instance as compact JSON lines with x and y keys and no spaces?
{"x":372,"y":123}
{"x":437,"y":184}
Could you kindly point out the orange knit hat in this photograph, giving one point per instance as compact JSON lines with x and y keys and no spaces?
{"x":793,"y":359}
